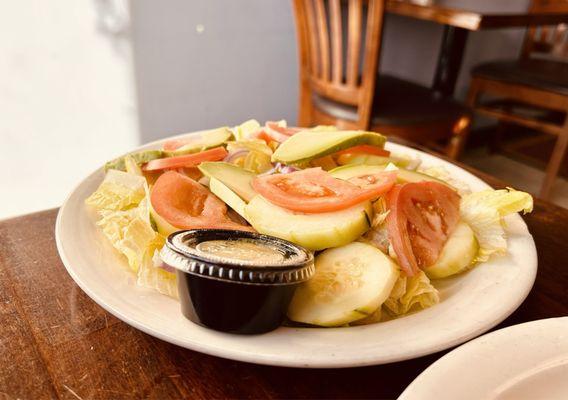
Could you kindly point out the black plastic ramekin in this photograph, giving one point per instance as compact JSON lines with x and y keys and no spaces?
{"x":235,"y":296}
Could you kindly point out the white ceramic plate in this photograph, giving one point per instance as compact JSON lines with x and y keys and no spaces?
{"x":522,"y":362}
{"x":470,"y":304}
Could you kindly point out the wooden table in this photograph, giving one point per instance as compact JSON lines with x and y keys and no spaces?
{"x":461,"y":16}
{"x":57,"y":343}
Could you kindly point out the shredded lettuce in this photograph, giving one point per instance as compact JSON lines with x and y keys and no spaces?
{"x":442,"y":174}
{"x":257,"y":162}
{"x":119,"y":191}
{"x":484,"y":212}
{"x":129,"y":232}
{"x":257,"y":145}
{"x":122,"y":203}
{"x":258,"y":153}
{"x":410,"y":293}
{"x":244,"y":130}
{"x":150,"y":273}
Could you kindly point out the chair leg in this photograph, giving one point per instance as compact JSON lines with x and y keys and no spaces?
{"x":555,"y":162}
{"x":460,"y":132}
{"x":461,"y":129}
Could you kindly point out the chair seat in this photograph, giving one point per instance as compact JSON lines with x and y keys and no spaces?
{"x":398,"y":102}
{"x":548,"y":75}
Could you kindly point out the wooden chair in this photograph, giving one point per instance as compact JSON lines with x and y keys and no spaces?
{"x":531,"y":91}
{"x":339,"y":83}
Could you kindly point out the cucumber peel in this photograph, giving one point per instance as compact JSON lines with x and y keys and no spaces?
{"x":351,"y":282}
{"x":457,"y":255}
{"x":312,"y":231}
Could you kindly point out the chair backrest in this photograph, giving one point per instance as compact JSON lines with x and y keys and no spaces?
{"x":340,"y":62}
{"x":547,"y":40}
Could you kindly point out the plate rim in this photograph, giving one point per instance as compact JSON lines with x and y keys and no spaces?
{"x":412,"y":391}
{"x":233,"y":354}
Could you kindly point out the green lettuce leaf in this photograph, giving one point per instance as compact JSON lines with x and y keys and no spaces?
{"x":443,"y":174}
{"x":151,"y":276}
{"x":244,"y":130}
{"x":484,"y":212}
{"x":257,"y":145}
{"x":129,"y":231}
{"x":410,"y":293}
{"x":119,"y":191}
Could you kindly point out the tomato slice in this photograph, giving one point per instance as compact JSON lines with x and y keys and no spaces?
{"x":271,"y":132}
{"x":272,"y":126}
{"x":365,"y":149}
{"x":189,"y":160}
{"x":261,"y":134}
{"x":186,"y":204}
{"x":315,"y":191}
{"x":422,"y":216}
{"x":174,"y":144}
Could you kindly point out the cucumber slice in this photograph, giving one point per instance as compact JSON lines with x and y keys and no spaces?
{"x":223,"y":192}
{"x":403,"y":175}
{"x":234,"y":177}
{"x":350,"y":283}
{"x":313,"y":231}
{"x":370,"y":159}
{"x":203,"y":140}
{"x":310,"y":144}
{"x":350,"y":171}
{"x":457,"y":255}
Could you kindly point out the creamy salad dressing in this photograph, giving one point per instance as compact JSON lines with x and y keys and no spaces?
{"x":255,"y":251}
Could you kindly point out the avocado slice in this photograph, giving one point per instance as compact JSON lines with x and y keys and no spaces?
{"x":309,"y":144}
{"x":230,"y":198}
{"x":232,"y":176}
{"x":403,"y":175}
{"x":159,"y":224}
{"x":370,"y":159}
{"x":203,"y":140}
{"x":141,"y":157}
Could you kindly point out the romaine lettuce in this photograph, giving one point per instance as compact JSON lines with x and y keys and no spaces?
{"x":244,"y":130}
{"x":119,"y":191}
{"x":150,"y":273}
{"x":411,"y":293}
{"x":129,"y":232}
{"x":484,"y":212}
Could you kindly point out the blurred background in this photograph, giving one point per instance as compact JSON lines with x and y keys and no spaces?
{"x":82,"y":81}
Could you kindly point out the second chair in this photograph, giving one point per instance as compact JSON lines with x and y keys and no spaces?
{"x":339,"y":83}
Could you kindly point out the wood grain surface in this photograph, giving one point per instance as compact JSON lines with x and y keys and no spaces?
{"x":57,"y":343}
{"x":479,"y":14}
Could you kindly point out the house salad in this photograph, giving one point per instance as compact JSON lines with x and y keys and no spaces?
{"x":383,"y":228}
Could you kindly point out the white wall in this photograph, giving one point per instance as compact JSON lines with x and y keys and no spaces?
{"x":243,"y":64}
{"x":67,"y":100}
{"x":201,"y":64}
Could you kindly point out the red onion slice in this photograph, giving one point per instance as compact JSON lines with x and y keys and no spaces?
{"x":232,"y":156}
{"x":280,"y":168}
